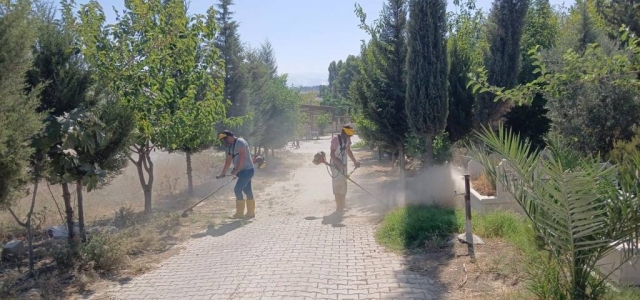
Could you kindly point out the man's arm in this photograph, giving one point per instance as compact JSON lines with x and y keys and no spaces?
{"x":242,"y":153}
{"x":227,"y":163}
{"x":353,"y":158}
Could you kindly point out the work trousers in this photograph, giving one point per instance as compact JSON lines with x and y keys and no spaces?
{"x":244,"y":184}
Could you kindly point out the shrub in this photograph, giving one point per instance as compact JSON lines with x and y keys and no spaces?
{"x":105,"y":252}
{"x":441,"y":147}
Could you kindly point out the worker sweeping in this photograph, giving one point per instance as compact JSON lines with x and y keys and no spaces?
{"x":239,"y":153}
{"x":340,"y":149}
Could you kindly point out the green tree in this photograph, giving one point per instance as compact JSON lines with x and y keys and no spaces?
{"x":64,"y":137}
{"x":505,"y":27}
{"x":540,"y":29}
{"x":140,"y":57}
{"x":465,"y":46}
{"x":322,"y":122}
{"x":228,"y":41}
{"x":19,"y":120}
{"x":279,"y":110}
{"x":381,"y":99}
{"x":268,"y":56}
{"x":593,"y":97}
{"x":109,"y":157}
{"x":620,"y":13}
{"x":258,"y":75}
{"x":198,"y":92}
{"x":427,"y":100}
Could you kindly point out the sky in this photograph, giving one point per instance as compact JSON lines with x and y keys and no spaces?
{"x":306,"y":34}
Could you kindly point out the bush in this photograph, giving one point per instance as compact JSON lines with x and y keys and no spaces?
{"x":441,"y":147}
{"x":105,"y":252}
{"x":358,"y":145}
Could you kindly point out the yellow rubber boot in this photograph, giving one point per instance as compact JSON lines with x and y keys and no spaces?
{"x":251,"y":209}
{"x":239,"y":209}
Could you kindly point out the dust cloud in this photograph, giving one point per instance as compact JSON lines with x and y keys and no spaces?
{"x":436,"y":185}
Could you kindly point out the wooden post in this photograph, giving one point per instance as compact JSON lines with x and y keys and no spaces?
{"x":467,"y":224}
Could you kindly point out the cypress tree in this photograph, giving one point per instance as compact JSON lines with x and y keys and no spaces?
{"x":426,"y":97}
{"x":268,"y":56}
{"x":506,"y":23}
{"x":228,"y":41}
{"x":380,"y":93}
{"x":541,"y":29}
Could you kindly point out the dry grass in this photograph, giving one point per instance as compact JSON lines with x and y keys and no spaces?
{"x":483,"y":185}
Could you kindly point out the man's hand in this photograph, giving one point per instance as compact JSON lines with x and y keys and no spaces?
{"x":356,"y":164}
{"x":221,"y":176}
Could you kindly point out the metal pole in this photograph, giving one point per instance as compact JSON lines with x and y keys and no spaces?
{"x":467,"y":225}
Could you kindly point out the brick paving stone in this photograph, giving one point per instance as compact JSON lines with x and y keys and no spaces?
{"x":284,"y":256}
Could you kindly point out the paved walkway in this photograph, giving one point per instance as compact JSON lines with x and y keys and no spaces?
{"x":295,"y":253}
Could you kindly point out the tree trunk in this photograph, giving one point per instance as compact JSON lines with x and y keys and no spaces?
{"x":189,"y":174}
{"x":144,"y":164}
{"x":428,"y":158}
{"x":69,"y":210}
{"x":272,"y":153}
{"x":83,"y":234}
{"x":403,"y":175}
{"x":29,"y":227}
{"x":402,"y":165}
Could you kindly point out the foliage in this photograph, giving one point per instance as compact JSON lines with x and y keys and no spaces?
{"x":505,"y":27}
{"x":623,"y":150}
{"x":427,"y":102}
{"x":466,"y":45}
{"x":278,"y":108}
{"x":268,"y":57}
{"x":341,"y":75}
{"x":323,"y":121}
{"x":111,"y":155}
{"x":577,"y":210}
{"x":148,"y":59}
{"x":593,"y":96}
{"x":416,"y":147}
{"x":379,"y":92}
{"x":18,"y":117}
{"x":231,"y":51}
{"x":540,"y":29}
{"x":618,"y":13}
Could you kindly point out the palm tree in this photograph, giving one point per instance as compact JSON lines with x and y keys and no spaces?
{"x":580,"y":209}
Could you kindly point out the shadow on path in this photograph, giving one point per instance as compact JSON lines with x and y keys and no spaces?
{"x":221,"y":230}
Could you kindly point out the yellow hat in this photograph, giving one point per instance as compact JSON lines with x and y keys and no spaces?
{"x":225,"y":134}
{"x":348,"y":130}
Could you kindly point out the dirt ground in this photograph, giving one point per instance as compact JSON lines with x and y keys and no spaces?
{"x":494,"y":276}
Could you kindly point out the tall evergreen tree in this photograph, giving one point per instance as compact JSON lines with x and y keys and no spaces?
{"x":426,"y":97}
{"x":228,"y":41}
{"x":18,"y":118}
{"x":541,"y":29}
{"x":382,"y":84}
{"x":268,"y":56}
{"x":506,"y":23}
{"x":465,"y":46}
